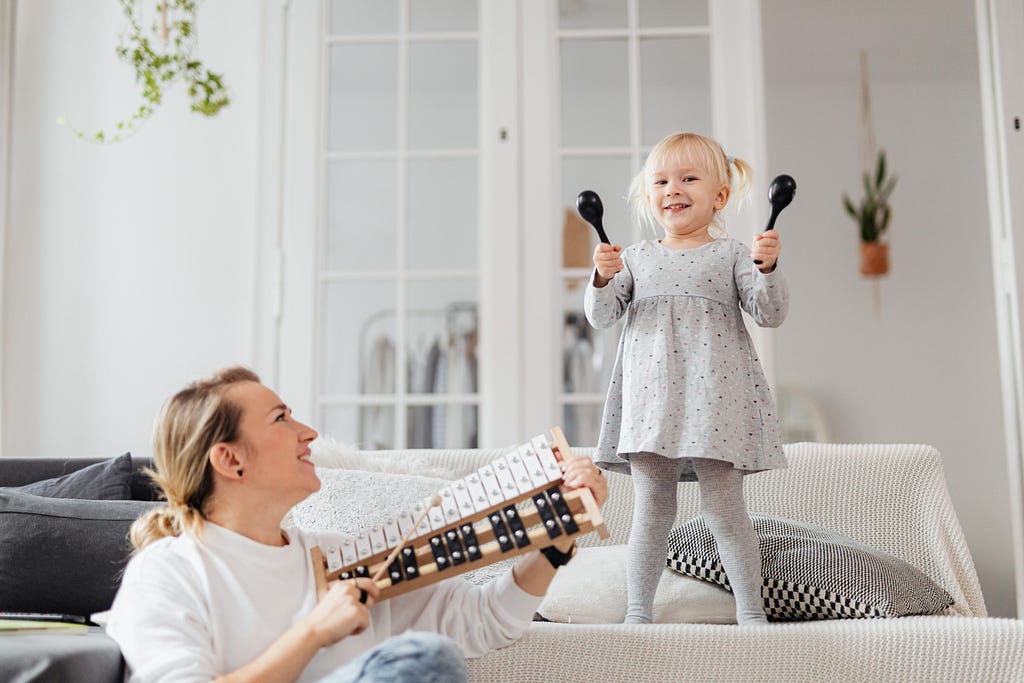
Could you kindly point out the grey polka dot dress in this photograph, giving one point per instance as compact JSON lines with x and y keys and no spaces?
{"x":687,"y":382}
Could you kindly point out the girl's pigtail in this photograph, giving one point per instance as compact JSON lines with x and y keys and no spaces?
{"x":741,"y":175}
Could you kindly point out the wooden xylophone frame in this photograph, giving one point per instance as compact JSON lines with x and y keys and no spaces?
{"x":541,"y":529}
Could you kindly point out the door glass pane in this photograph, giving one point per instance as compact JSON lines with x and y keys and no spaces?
{"x":446,"y":425}
{"x":595,"y":93}
{"x":588,"y":353}
{"x":674,"y":100}
{"x":442,"y":95}
{"x":350,"y":17}
{"x":368,"y":427}
{"x":662,"y":13}
{"x":442,"y":214}
{"x":361,"y":216}
{"x":609,"y":177}
{"x":359,"y":338}
{"x":441,"y":332}
{"x":592,"y":13}
{"x":582,"y":424}
{"x":362,"y":106}
{"x":442,"y":15}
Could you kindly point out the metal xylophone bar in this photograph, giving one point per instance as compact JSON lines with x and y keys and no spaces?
{"x":477,"y":523}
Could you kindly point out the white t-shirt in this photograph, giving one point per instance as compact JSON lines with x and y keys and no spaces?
{"x":191,"y":609}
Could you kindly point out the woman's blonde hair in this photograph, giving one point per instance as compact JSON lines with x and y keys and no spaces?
{"x":190,"y":424}
{"x":702,"y":152}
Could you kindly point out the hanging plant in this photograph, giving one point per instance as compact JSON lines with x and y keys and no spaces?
{"x":872,"y":216}
{"x":160,"y":56}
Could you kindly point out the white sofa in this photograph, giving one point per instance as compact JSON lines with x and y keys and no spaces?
{"x":891,"y":497}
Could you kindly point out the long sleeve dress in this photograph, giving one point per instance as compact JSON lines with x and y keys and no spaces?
{"x":687,"y":382}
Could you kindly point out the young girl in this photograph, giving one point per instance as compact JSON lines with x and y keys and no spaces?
{"x":688,"y":399}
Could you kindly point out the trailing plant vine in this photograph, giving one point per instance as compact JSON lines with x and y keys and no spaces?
{"x":160,"y":55}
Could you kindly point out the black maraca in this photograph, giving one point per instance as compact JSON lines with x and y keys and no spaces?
{"x":780,"y":194}
{"x":589,"y":206}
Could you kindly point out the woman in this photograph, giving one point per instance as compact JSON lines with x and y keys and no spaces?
{"x":217,"y":590}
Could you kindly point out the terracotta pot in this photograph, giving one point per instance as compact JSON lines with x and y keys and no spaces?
{"x":874,"y":258}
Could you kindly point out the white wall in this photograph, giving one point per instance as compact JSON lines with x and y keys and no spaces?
{"x":926,"y":369}
{"x":128,"y":266}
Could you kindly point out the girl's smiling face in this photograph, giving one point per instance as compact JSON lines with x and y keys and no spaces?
{"x":684,"y":197}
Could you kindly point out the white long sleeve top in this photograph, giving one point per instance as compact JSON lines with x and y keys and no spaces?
{"x":191,"y":609}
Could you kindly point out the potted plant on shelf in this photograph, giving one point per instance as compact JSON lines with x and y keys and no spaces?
{"x":872,"y":216}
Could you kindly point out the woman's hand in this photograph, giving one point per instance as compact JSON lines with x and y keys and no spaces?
{"x":766,"y":249}
{"x":341,"y":613}
{"x":608,"y":262}
{"x":579,"y":471}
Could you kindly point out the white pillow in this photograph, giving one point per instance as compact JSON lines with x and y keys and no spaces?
{"x":330,"y":453}
{"x":351,"y":501}
{"x":591,"y":589}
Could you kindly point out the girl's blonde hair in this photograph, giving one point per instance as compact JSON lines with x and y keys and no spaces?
{"x":702,"y":152}
{"x":190,"y":424}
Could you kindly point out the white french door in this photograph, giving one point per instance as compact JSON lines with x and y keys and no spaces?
{"x":432,"y":151}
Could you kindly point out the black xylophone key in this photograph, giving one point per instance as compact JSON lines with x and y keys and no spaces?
{"x":501,"y":532}
{"x":440,"y":553}
{"x":472,"y":545}
{"x":455,"y":549}
{"x":395,"y":571}
{"x":562,"y":510}
{"x":408,"y":555}
{"x":547,"y":515}
{"x":516,"y":525}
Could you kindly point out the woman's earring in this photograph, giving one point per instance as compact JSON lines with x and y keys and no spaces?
{"x":239,"y":472}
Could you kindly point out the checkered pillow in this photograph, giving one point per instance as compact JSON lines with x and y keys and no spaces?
{"x":813,"y":573}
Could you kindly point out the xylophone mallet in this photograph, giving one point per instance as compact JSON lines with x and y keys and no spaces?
{"x":433,"y":502}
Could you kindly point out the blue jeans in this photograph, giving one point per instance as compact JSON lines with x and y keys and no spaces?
{"x":413,"y":657}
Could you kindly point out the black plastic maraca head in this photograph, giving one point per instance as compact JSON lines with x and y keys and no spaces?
{"x":588,"y":203}
{"x":781,"y":191}
{"x":591,"y":209}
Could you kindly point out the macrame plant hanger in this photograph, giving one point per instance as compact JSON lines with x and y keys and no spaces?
{"x":874,"y":263}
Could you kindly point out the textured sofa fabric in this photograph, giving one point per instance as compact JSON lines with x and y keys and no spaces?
{"x":893,"y":498}
{"x":890,"y":497}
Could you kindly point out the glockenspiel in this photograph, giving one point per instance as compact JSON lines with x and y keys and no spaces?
{"x":508,"y":507}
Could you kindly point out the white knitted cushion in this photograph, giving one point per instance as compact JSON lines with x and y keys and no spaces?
{"x":591,"y":589}
{"x":813,"y":573}
{"x":352,"y":501}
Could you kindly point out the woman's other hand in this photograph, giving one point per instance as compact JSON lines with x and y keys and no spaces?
{"x":580,"y":471}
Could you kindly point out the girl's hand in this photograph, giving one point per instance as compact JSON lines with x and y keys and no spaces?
{"x":608,"y":262}
{"x":766,"y":250}
{"x":340,"y":613}
{"x":579,"y":471}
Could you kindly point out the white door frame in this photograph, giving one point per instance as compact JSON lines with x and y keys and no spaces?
{"x":1000,"y":26}
{"x":7,"y":32}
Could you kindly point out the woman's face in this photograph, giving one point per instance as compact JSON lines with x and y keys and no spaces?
{"x":274,"y":445}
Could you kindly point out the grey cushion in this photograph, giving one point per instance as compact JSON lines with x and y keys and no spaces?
{"x":62,"y":555}
{"x":107,"y":480}
{"x":813,"y":573}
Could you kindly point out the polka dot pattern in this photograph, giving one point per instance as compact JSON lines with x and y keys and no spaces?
{"x":687,"y":382}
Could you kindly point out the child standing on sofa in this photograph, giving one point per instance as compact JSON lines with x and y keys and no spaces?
{"x":688,"y":399}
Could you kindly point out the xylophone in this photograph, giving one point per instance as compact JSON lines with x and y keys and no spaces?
{"x":511,"y":506}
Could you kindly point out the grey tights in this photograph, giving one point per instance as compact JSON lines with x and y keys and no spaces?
{"x":655,"y":479}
